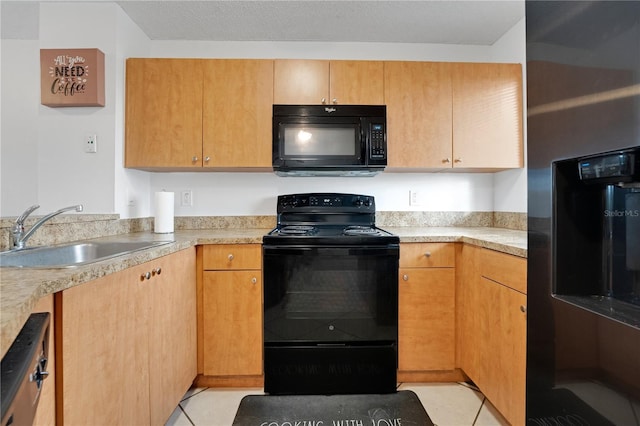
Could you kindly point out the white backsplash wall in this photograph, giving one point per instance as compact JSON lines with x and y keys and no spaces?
{"x":241,"y":194}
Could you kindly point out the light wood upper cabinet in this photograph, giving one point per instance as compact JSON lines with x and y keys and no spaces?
{"x":418,"y":99}
{"x":316,"y":82}
{"x":487,"y":116}
{"x":356,"y":82}
{"x":238,"y":98}
{"x":163,"y":123}
{"x":217,"y":117}
{"x":465,"y":116}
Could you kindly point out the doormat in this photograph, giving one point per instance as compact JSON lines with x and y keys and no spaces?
{"x":402,"y":408}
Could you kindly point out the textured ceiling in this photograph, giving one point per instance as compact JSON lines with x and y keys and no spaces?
{"x":451,"y":22}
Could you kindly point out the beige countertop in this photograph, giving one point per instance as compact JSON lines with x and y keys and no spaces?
{"x":21,"y":288}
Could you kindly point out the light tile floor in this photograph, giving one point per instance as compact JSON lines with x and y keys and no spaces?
{"x":448,"y":404}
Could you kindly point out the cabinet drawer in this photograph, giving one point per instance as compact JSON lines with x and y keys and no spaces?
{"x":427,"y":255}
{"x":505,"y":269}
{"x":231,"y":256}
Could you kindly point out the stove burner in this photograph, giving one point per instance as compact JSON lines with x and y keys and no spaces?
{"x":297,"y":230}
{"x":360,"y":230}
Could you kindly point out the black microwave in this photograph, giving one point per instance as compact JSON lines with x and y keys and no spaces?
{"x":331,"y":140}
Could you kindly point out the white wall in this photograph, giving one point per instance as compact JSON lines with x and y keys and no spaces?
{"x":44,"y":145}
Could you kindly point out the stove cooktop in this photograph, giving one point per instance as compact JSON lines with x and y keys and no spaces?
{"x":327,"y":218}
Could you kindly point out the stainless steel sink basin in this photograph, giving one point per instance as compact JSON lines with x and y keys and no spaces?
{"x":75,"y":254}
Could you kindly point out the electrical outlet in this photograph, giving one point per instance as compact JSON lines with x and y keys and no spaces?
{"x":186,"y":198}
{"x":91,"y":144}
{"x":416,"y":198}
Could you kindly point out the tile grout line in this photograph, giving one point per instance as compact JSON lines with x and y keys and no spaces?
{"x":185,"y":413}
{"x":484,"y":398}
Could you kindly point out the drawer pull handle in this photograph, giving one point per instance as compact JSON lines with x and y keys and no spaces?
{"x":523,"y":308}
{"x":230,"y":257}
{"x":405,"y":277}
{"x":427,"y":254}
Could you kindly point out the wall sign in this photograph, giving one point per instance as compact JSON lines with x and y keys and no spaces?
{"x":71,"y":77}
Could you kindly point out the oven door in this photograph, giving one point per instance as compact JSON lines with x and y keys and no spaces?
{"x":330,"y":294}
{"x":330,"y":319}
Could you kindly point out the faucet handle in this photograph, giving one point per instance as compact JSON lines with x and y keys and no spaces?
{"x":20,"y":220}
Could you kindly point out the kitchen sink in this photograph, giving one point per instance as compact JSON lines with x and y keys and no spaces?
{"x":70,"y":255}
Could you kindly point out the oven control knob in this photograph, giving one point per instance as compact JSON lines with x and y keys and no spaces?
{"x":359,"y":202}
{"x":331,"y":327}
{"x":367,"y":202}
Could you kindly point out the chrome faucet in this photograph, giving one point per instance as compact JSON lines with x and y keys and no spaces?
{"x":20,"y":237}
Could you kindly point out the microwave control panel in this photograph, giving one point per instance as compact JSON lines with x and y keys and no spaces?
{"x":377,"y":145}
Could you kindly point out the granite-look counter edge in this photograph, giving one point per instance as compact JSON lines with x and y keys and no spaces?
{"x":20,"y":289}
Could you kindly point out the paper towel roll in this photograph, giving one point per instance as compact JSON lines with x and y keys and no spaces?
{"x":163,"y":222}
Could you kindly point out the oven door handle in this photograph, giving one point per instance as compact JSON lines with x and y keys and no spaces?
{"x":391,"y":249}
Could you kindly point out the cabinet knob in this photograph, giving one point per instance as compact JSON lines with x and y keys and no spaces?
{"x":230,"y":257}
{"x":458,"y":160}
{"x":405,"y":277}
{"x":447,"y":160}
{"x":207,"y":159}
{"x":194,"y":158}
{"x":427,"y":254}
{"x":335,"y":101}
{"x":254,"y":280}
{"x":145,"y":276}
{"x":523,"y":308}
{"x":156,"y":271}
{"x":324,"y":101}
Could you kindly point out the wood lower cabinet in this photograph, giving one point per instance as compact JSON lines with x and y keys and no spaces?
{"x":316,"y":82}
{"x":426,"y":323}
{"x":230,"y":314}
{"x":127,"y":344}
{"x":491,"y":321}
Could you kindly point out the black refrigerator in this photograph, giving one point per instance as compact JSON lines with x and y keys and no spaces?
{"x":583,"y":134}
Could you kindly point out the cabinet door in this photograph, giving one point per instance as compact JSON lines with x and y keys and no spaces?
{"x":356,"y":83}
{"x":426,"y":323}
{"x":504,"y":327}
{"x":163,"y":123}
{"x":487,"y":116}
{"x":469,"y":335}
{"x":104,"y":348}
{"x":232,"y":323}
{"x":238,"y":99}
{"x":172,"y":332}
{"x":419,"y":117}
{"x":301,"y":81}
